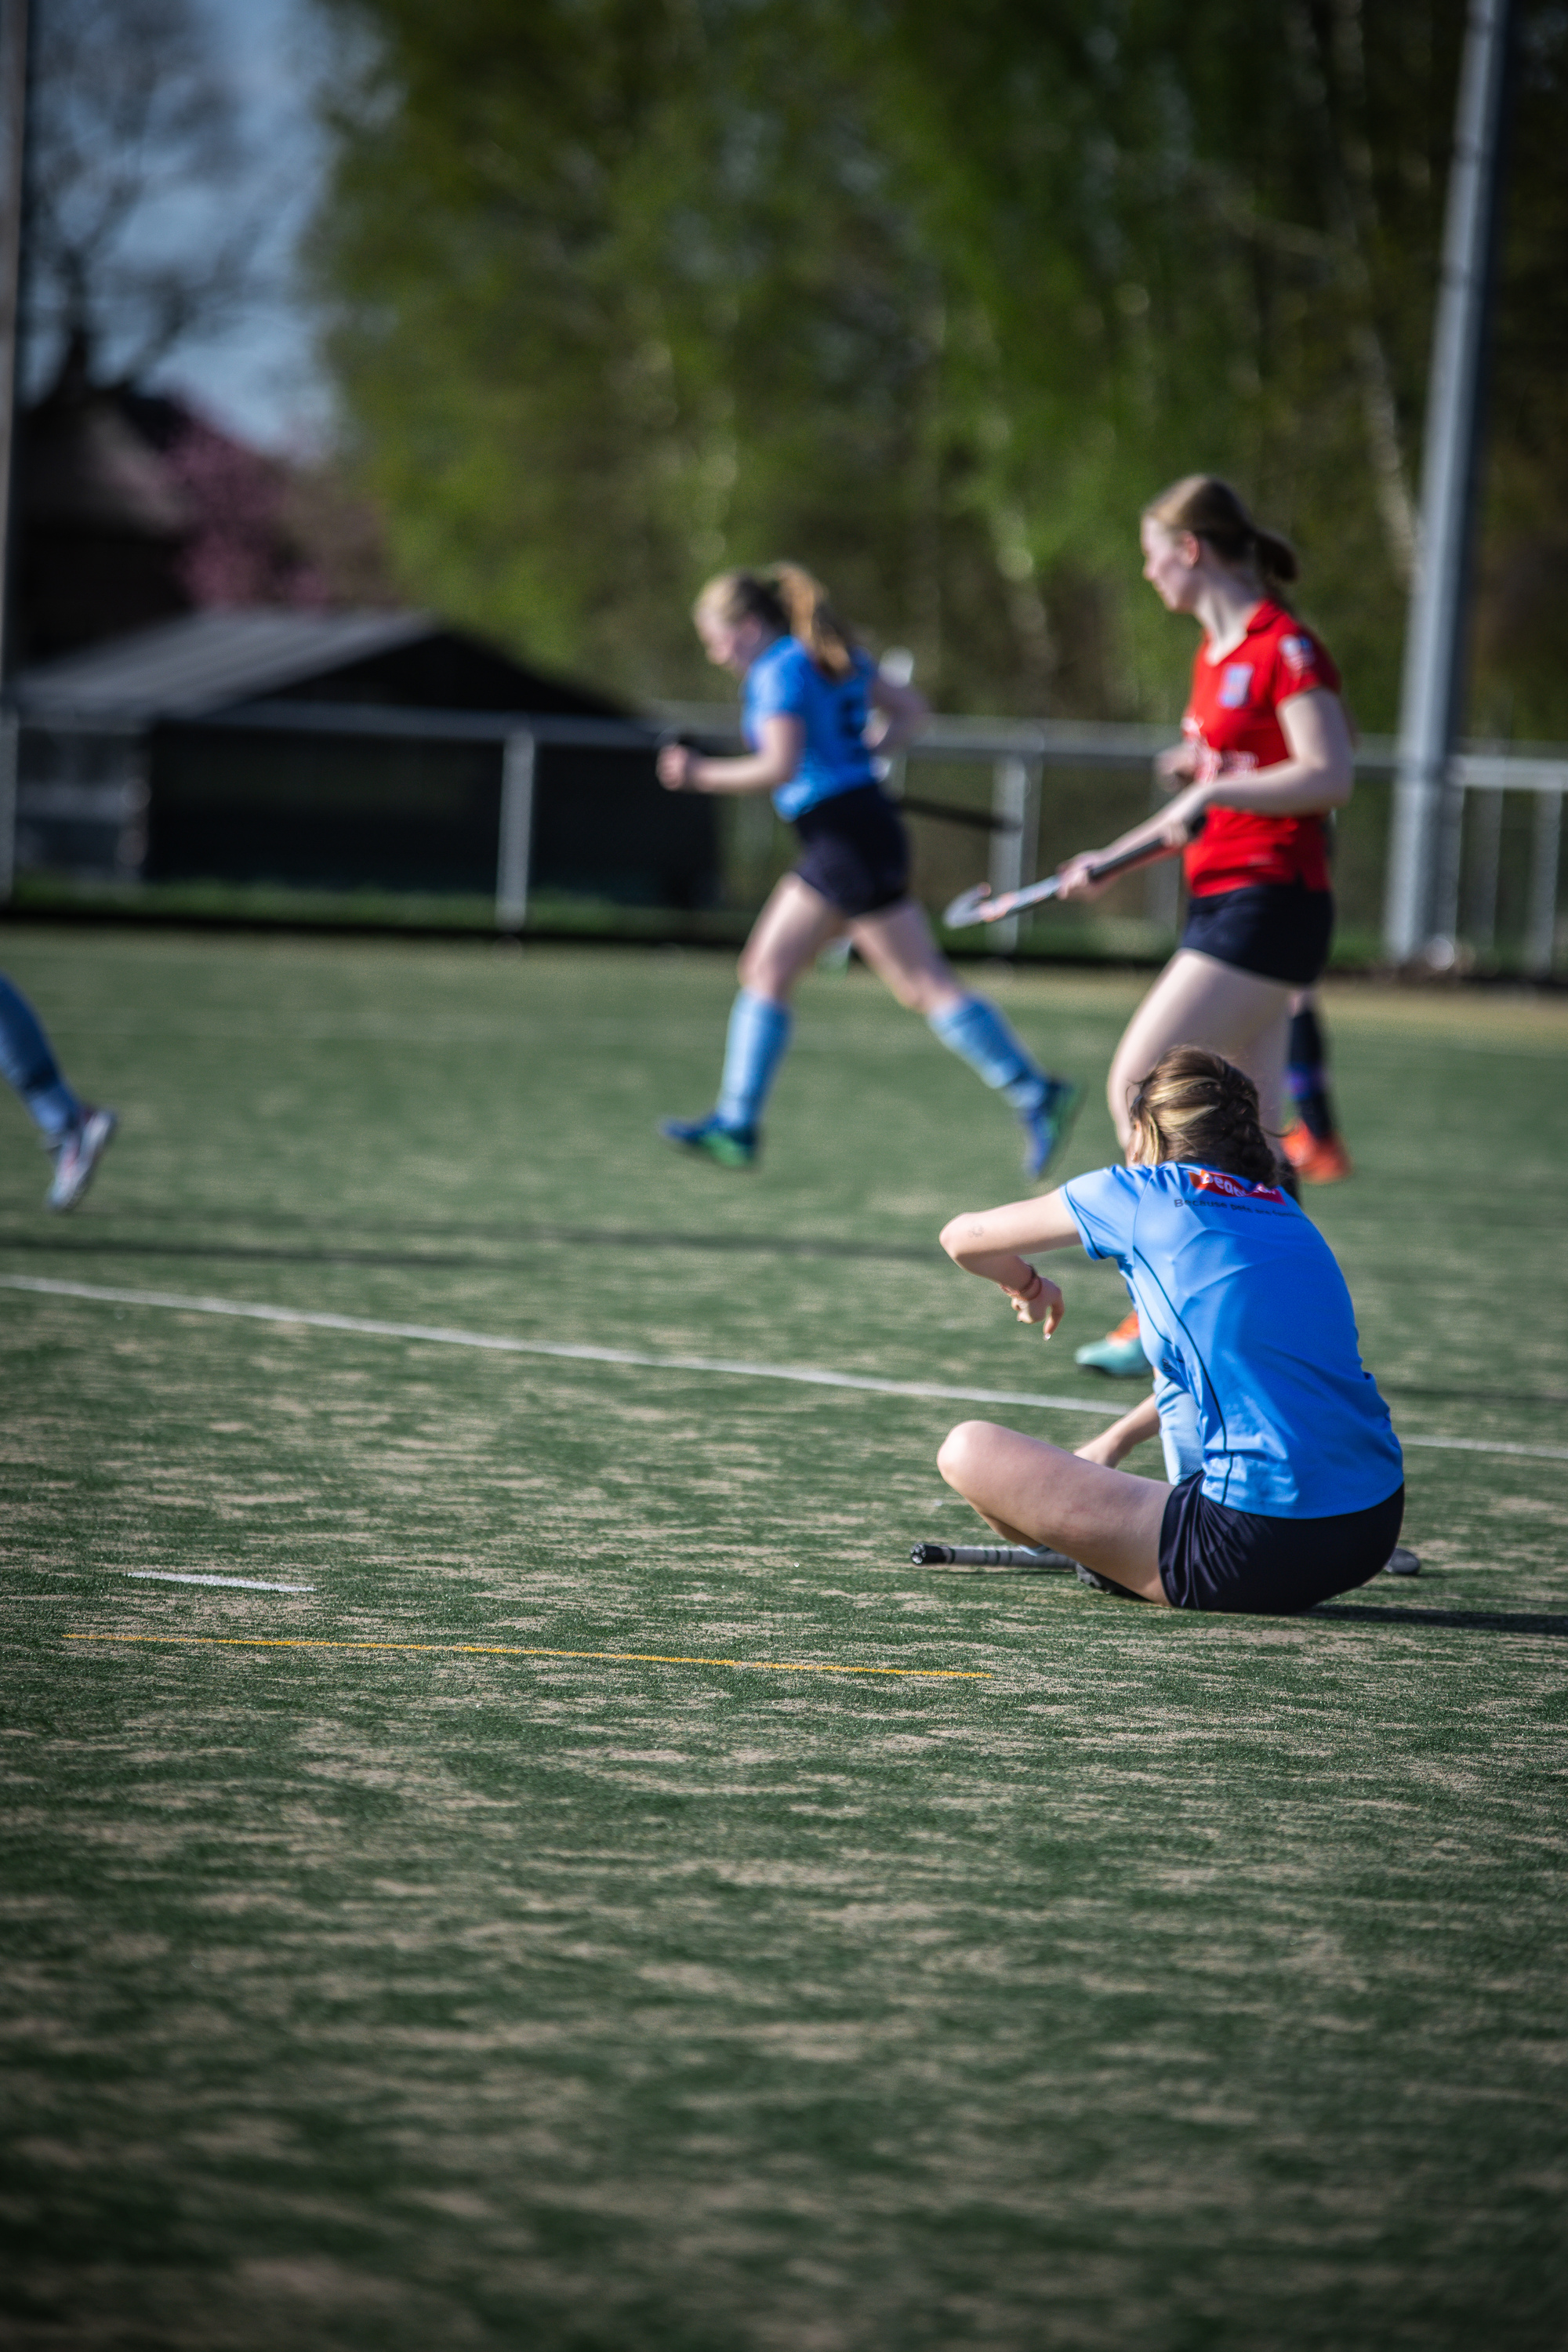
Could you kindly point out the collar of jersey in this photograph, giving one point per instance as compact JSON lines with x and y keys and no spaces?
{"x":1263,"y":616}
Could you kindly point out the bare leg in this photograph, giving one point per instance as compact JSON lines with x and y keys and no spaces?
{"x":898,"y":945}
{"x":1197,"y":1000}
{"x":1036,"y":1494}
{"x":786,"y":939}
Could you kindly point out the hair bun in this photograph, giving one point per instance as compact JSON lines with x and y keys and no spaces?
{"x":1196,"y":1106}
{"x":1211,"y":510}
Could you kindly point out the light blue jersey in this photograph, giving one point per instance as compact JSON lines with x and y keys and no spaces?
{"x":784,"y":682}
{"x":1241,"y":1304}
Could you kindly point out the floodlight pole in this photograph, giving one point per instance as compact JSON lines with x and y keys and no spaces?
{"x":1414,"y":907}
{"x":13,"y":128}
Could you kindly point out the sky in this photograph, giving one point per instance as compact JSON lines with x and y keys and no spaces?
{"x":258,"y":375}
{"x":260,"y":378}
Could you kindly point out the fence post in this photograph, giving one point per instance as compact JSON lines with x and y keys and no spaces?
{"x":1488,"y":844}
{"x":10,"y":742}
{"x":516,"y":846}
{"x":1011,"y":799}
{"x":1541,"y":934}
{"x":1162,"y":889}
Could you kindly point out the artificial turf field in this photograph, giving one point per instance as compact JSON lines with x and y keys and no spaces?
{"x":1135,"y":1980}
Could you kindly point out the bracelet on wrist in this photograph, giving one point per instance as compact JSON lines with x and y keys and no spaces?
{"x":1038,"y":1282}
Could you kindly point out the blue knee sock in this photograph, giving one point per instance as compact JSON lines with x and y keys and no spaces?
{"x":756,"y":1045}
{"x":27,"y":1061}
{"x":979,"y":1035}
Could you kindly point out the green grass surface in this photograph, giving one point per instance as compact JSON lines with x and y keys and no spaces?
{"x":1076,"y":935}
{"x":1184,"y":1983}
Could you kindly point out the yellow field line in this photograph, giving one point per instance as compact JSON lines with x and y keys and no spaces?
{"x":509,"y":1650}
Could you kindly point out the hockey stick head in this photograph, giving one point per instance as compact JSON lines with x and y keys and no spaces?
{"x":966,"y":908}
{"x":978,"y":906}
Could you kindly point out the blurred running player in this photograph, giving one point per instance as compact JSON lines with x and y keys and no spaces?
{"x":809,"y":691}
{"x":1298,"y":1490}
{"x":73,"y":1131}
{"x":1266,"y":754}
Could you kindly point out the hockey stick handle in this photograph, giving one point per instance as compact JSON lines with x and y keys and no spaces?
{"x":941,"y":1555}
{"x":976,"y":905}
{"x":1038,"y":893}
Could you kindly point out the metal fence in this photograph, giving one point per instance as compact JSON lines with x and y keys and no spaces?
{"x":1500,"y":899}
{"x":1485,"y":787}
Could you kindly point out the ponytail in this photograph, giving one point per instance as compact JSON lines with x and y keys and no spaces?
{"x":813,"y":620}
{"x":1212,"y":510}
{"x":1196,"y":1106}
{"x":788,"y":601}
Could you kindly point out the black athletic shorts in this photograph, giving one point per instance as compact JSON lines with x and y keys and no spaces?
{"x":1213,"y":1557}
{"x":855,"y":851}
{"x":1281,"y":930}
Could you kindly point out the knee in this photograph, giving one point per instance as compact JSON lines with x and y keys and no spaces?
{"x":760,"y":977}
{"x":959,"y":1456}
{"x":933,"y":993}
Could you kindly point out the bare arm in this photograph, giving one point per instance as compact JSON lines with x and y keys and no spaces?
{"x":1317,"y":777}
{"x":989,"y":1243}
{"x":1133,"y":1429}
{"x":682,"y":769}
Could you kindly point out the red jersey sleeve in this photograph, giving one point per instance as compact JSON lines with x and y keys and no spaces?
{"x":1300,"y":664}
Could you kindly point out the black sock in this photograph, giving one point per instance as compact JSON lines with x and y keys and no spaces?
{"x":1309,"y":1075}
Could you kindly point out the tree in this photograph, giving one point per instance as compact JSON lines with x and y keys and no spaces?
{"x":933,"y":298}
{"x":134,"y":237}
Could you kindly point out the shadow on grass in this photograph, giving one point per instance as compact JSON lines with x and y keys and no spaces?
{"x":570,"y":1236}
{"x":89,"y":1243}
{"x":1471,"y":1621}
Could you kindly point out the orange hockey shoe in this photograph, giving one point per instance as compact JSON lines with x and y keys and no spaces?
{"x":1316,"y":1160}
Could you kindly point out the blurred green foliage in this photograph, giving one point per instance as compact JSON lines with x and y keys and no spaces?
{"x":933,"y":299}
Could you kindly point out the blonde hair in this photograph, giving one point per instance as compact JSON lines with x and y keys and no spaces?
{"x":788,"y":600}
{"x":1212,"y":510}
{"x":1196,"y":1106}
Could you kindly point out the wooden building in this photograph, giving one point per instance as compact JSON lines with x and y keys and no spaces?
{"x":337,"y":750}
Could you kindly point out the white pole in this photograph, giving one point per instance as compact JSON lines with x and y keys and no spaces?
{"x":13,"y":130}
{"x":514,"y":856}
{"x":1434,"y":647}
{"x":1010,"y":799}
{"x":1540,"y":933}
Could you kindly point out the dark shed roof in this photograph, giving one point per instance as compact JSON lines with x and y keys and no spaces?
{"x":208,"y":661}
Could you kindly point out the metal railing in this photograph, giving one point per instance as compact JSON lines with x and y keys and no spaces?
{"x":1477,"y":784}
{"x":1017,"y":752}
{"x":1020,"y":751}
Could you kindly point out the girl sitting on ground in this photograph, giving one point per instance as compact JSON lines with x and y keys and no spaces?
{"x":1242,"y":1307}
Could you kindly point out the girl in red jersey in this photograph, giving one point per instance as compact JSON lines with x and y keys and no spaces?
{"x":1266,"y":755}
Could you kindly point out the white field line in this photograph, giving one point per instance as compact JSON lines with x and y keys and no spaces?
{"x":811,"y":1376}
{"x":184,"y":1576}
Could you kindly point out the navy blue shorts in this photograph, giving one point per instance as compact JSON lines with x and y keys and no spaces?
{"x":855,"y":851}
{"x":1281,"y":930}
{"x":1213,"y":1557}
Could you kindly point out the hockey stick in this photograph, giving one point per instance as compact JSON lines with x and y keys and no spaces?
{"x":992,"y":1556}
{"x":977,"y":906}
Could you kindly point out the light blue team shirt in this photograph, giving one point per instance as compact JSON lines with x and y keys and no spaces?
{"x":784,"y":682}
{"x":1241,"y":1304}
